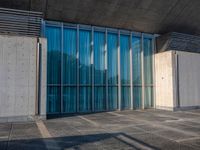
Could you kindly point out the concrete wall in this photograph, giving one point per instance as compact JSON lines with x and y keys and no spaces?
{"x":177,"y":80}
{"x":18,"y":78}
{"x":164,"y":80}
{"x":189,"y":79}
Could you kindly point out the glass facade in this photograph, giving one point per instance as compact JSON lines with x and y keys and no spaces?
{"x":136,"y":68}
{"x":112,"y":46}
{"x":125,"y":71}
{"x":83,"y":69}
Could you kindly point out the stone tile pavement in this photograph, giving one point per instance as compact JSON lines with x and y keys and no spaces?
{"x":119,"y":130}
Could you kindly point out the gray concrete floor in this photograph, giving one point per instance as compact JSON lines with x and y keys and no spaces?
{"x":125,"y":130}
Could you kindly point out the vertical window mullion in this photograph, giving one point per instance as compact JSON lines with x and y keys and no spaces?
{"x":61,"y":107}
{"x":77,"y":69}
{"x":92,"y":67}
{"x":142,"y":69}
{"x":119,"y":73}
{"x":153,"y":72}
{"x":131,"y":71}
{"x":106,"y":67}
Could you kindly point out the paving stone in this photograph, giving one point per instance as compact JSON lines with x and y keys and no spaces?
{"x":125,"y":130}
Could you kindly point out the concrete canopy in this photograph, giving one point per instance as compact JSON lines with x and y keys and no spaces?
{"x":151,"y":16}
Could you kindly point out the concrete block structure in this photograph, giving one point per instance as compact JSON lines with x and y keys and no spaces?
{"x":177,"y":84}
{"x":18,"y":78}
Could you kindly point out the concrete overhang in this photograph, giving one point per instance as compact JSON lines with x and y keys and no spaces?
{"x":151,"y":16}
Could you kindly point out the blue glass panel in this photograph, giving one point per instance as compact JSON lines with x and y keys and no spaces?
{"x":112,"y":58}
{"x":99,"y":58}
{"x":125,"y":98}
{"x":53,"y":35}
{"x":125,"y":70}
{"x":85,"y":99}
{"x":99,"y":98}
{"x":148,"y":97}
{"x":84,"y":56}
{"x":148,"y":79}
{"x":69,"y":56}
{"x":136,"y":59}
{"x":112,"y":98}
{"x":137,"y":97}
{"x":69,"y":99}
{"x":148,"y":76}
{"x":99,"y":71}
{"x":125,"y":59}
{"x":53,"y":99}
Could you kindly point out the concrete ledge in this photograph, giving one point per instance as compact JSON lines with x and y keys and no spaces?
{"x":21,"y":118}
{"x":185,"y":108}
{"x":165,"y":108}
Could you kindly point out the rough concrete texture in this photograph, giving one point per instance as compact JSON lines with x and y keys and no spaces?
{"x":153,"y":16}
{"x":177,"y":80}
{"x":43,"y":91}
{"x":126,"y":130}
{"x":164,"y":79}
{"x":188,"y":78}
{"x":18,"y":78}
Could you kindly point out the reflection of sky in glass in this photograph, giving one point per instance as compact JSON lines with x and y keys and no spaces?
{"x":136,"y":59}
{"x":84,"y":56}
{"x":99,"y":57}
{"x":53,"y":35}
{"x":125,"y":59}
{"x":148,"y":61}
{"x":112,"y":58}
{"x":69,"y":56}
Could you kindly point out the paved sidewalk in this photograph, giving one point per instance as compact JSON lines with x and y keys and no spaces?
{"x":125,"y":130}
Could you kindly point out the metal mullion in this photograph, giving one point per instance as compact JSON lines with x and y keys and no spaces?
{"x":137,"y":84}
{"x":106,"y":67}
{"x":92,"y":67}
{"x":125,"y":85}
{"x":142,"y":70}
{"x":153,"y":72}
{"x":85,"y":85}
{"x":53,"y":85}
{"x":112,"y":85}
{"x":62,"y":68}
{"x":52,"y":25}
{"x":119,"y":73}
{"x":100,"y":85}
{"x":77,"y":69}
{"x":131,"y":71}
{"x":69,"y":85}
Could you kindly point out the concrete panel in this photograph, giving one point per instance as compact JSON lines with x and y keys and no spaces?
{"x":177,"y":80}
{"x":18,"y":77}
{"x":43,"y":41}
{"x":189,"y":79}
{"x":164,"y":80}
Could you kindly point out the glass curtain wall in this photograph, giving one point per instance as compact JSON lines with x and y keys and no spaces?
{"x":99,"y":72}
{"x":125,"y":71}
{"x":136,"y":68}
{"x":82,"y":69}
{"x":69,"y":70}
{"x":148,"y":78}
{"x":85,"y":79}
{"x":53,"y":35}
{"x":112,"y":45}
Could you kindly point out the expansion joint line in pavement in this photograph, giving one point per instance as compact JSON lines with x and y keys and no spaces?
{"x":9,"y":136}
{"x":193,"y":135}
{"x":46,"y":135}
{"x":121,"y":137}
